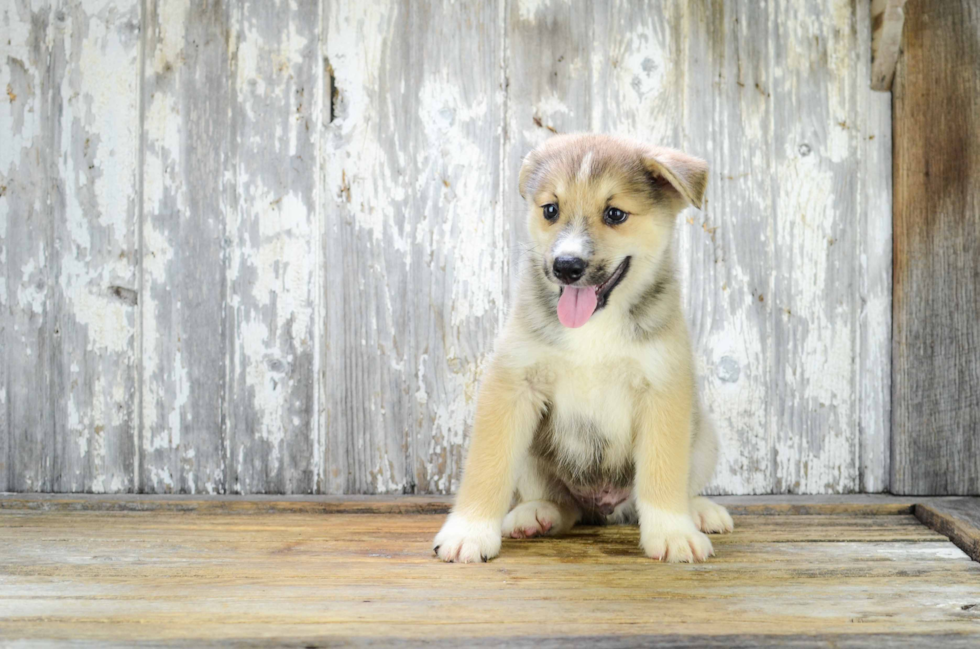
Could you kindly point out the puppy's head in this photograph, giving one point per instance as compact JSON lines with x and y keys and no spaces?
{"x":601,"y":213}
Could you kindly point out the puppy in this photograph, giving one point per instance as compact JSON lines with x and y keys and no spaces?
{"x":587,"y":411}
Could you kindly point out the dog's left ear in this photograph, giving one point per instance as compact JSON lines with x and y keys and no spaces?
{"x":687,"y":174}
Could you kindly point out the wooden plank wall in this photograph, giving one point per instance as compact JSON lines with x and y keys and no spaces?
{"x":323,"y":197}
{"x":936,"y":420}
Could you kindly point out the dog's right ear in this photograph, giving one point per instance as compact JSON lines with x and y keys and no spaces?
{"x":528,"y":168}
{"x":685,"y":173}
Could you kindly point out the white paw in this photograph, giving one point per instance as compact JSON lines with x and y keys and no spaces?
{"x":710,"y":517}
{"x":671,"y":537}
{"x":467,"y":541}
{"x":534,"y":518}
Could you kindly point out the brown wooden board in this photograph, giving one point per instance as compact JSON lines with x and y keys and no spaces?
{"x":858,"y":504}
{"x":162,"y":577}
{"x":936,"y":338}
{"x":957,"y":518}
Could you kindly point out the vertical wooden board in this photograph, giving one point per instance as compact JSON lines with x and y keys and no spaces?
{"x":32,"y":69}
{"x":188,"y":190}
{"x":725,"y":251}
{"x":874,"y":259}
{"x":70,"y":122}
{"x":936,"y":371}
{"x":360,"y":343}
{"x":813,"y":410}
{"x":463,"y":228}
{"x":413,"y":264}
{"x":273,"y":447}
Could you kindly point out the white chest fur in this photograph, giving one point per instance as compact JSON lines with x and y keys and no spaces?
{"x":591,"y":399}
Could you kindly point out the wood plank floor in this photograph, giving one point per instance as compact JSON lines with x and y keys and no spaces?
{"x":875,"y":577}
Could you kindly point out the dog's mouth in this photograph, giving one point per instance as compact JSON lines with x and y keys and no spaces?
{"x":576,"y":304}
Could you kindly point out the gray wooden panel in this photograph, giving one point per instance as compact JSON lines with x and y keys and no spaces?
{"x":414,"y":261}
{"x":271,"y":234}
{"x":69,"y":123}
{"x":821,"y":104}
{"x":188,"y":190}
{"x":873,"y":305}
{"x":936,"y":352}
{"x":325,"y":200}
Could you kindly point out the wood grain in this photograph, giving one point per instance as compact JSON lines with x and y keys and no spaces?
{"x":956,"y":518}
{"x":188,"y":189}
{"x":69,"y":121}
{"x":852,"y":504}
{"x":273,"y":443}
{"x":887,"y":19}
{"x":414,"y":240}
{"x":815,"y":307}
{"x":300,"y":282}
{"x":936,"y":337}
{"x":159,"y":577}
{"x":672,"y":641}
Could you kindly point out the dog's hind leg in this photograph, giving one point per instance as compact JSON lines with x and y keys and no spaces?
{"x":710,"y":517}
{"x":541,"y":509}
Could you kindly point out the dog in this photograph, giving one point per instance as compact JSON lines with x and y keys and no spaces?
{"x":587,"y":412}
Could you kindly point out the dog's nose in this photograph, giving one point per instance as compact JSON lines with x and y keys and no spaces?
{"x":569,"y":269}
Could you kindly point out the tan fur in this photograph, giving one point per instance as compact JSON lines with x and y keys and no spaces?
{"x":567,"y":415}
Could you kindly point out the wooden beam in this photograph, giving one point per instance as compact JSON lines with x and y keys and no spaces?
{"x":850,"y":504}
{"x":887,"y":19}
{"x":936,"y":277}
{"x":956,"y":518}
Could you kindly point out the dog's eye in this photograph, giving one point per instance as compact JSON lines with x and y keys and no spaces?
{"x":614,"y":216}
{"x":550,"y":211}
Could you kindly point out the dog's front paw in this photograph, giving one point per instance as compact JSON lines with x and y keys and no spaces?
{"x":671,"y":537}
{"x":467,"y":541}
{"x":535,"y":518}
{"x":710,"y":517}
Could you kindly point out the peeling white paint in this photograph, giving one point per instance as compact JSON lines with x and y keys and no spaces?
{"x":401,"y":211}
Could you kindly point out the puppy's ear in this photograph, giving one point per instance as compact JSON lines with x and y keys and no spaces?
{"x":528,"y":167}
{"x":687,"y":174}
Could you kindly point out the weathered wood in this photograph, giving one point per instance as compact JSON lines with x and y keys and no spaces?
{"x":531,"y":641}
{"x":873,"y":304}
{"x":936,"y":348}
{"x":887,"y":19}
{"x":956,"y":518}
{"x":854,"y":505}
{"x":820,"y":129}
{"x":188,"y":189}
{"x":69,"y":122}
{"x":724,"y":257}
{"x":271,"y":233}
{"x":238,"y":504}
{"x":126,"y":576}
{"x":414,"y":250}
{"x":324,"y":226}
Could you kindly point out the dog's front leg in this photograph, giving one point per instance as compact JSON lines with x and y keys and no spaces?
{"x":663,"y":457}
{"x":508,"y":411}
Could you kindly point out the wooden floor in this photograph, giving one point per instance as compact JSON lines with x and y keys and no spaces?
{"x":300,"y":572}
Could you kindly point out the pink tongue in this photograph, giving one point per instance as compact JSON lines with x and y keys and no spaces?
{"x":575,"y":306}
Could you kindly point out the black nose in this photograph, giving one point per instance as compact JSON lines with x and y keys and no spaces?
{"x":569,"y":269}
